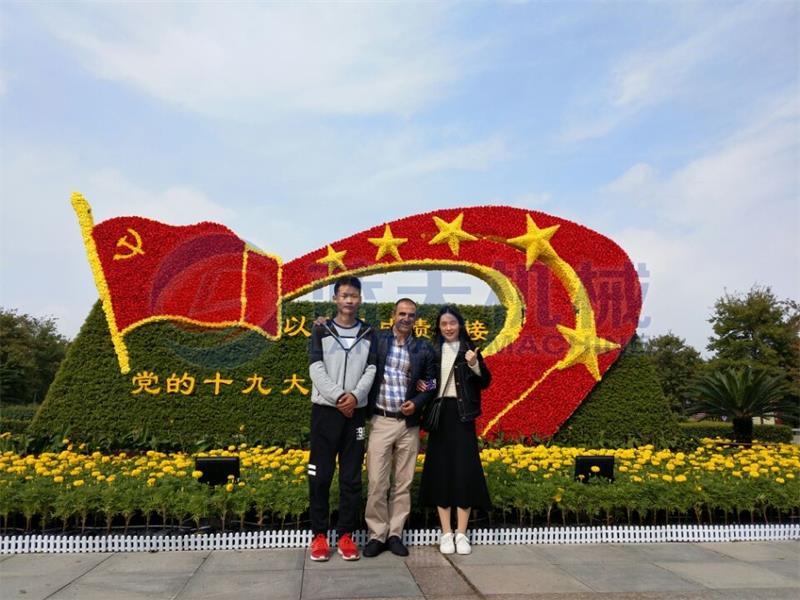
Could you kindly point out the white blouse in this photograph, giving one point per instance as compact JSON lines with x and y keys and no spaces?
{"x":449,"y":353}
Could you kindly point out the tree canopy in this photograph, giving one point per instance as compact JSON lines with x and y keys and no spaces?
{"x":677,"y":365}
{"x":31,"y":350}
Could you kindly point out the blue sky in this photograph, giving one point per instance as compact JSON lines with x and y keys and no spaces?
{"x":670,"y":127}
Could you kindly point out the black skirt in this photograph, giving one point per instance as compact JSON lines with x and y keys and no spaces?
{"x":452,"y":474}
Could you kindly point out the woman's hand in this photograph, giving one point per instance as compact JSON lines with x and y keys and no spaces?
{"x":472,"y":357}
{"x":422,"y":386}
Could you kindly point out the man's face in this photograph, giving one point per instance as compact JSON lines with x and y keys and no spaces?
{"x":404,"y":315}
{"x":347,"y":300}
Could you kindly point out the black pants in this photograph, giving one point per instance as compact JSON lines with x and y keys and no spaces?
{"x":334,"y":434}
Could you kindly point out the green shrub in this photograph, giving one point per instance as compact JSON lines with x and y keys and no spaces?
{"x":626,"y":408}
{"x":21,"y":412}
{"x":13,"y":425}
{"x":713,"y":429}
{"x":91,"y":401}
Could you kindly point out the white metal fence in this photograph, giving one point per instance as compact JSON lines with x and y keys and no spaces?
{"x":24,"y":544}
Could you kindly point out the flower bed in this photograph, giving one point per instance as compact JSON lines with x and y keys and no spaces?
{"x":716,"y":483}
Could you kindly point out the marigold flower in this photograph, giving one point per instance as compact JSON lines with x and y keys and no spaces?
{"x":78,"y":482}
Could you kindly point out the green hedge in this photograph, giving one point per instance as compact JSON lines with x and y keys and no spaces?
{"x":627,"y":408}
{"x":91,"y":401}
{"x":712,"y":429}
{"x":21,"y":412}
{"x":13,"y":425}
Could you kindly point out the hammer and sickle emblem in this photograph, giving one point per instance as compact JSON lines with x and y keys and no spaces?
{"x":135,"y":248}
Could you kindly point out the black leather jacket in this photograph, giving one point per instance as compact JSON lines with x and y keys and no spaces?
{"x":468,"y":383}
{"x":423,"y":366}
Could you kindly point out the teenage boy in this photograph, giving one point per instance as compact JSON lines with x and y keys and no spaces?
{"x":395,"y":406}
{"x":342,"y":368}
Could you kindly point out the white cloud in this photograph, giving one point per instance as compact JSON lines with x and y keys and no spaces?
{"x":473,"y":156}
{"x":662,"y":72}
{"x":43,"y":267}
{"x":252,"y":60}
{"x":111,"y":195}
{"x":726,"y":220}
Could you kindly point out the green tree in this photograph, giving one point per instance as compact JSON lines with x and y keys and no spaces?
{"x":31,"y":349}
{"x":740,"y":394}
{"x":677,"y":366}
{"x":758,"y":330}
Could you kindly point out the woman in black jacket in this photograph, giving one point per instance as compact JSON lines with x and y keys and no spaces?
{"x":453,"y":475}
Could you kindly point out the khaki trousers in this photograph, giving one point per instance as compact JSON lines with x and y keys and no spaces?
{"x":391,"y":444}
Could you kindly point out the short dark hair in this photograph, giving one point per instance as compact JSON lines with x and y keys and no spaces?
{"x":351,"y":281}
{"x":396,"y":304}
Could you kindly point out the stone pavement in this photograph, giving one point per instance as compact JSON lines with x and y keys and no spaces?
{"x":740,"y":570}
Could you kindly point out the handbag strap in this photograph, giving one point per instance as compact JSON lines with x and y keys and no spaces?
{"x":449,"y":378}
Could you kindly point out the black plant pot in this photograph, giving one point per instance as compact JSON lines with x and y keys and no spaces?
{"x":743,"y":430}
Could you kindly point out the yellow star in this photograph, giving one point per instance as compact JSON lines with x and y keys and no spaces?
{"x":535,"y":242}
{"x":387,"y":244}
{"x":584,"y":348}
{"x":451,"y":233}
{"x":333,"y":260}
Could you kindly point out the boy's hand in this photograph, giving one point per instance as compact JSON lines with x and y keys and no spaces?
{"x":347,"y":404}
{"x":408,"y":408}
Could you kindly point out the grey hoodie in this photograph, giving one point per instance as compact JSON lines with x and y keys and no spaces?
{"x":341,"y":360}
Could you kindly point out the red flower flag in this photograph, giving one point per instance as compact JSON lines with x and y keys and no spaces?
{"x":202,"y":274}
{"x":571,"y":295}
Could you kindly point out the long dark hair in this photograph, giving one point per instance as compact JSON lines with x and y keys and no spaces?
{"x":449,"y":309}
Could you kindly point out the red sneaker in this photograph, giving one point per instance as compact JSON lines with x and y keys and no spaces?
{"x":320,"y":551}
{"x":347,"y":548}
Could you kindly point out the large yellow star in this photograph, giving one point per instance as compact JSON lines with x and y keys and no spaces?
{"x":535,"y":242}
{"x":333,"y":260}
{"x":387,"y":244}
{"x":451,"y":233}
{"x":584,"y":348}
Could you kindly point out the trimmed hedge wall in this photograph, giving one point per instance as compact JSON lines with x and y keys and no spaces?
{"x":20,"y":412}
{"x":91,"y":401}
{"x":712,"y":429}
{"x":13,"y":425}
{"x":627,"y":408}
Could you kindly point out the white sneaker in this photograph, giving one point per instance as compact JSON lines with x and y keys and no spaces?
{"x":462,"y":544}
{"x":446,"y":545}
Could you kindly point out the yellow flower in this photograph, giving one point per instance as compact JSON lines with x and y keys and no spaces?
{"x":595,"y":469}
{"x":151,"y":482}
{"x":680,"y":478}
{"x":780,"y":480}
{"x":666,"y":477}
{"x":229,"y":487}
{"x":197,"y":474}
{"x":78,"y":482}
{"x":58,"y":479}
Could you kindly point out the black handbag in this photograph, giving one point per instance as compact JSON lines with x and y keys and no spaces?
{"x":431,"y":412}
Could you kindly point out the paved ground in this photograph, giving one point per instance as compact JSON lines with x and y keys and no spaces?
{"x":743,"y":570}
